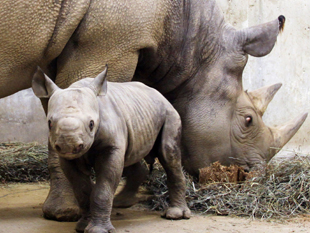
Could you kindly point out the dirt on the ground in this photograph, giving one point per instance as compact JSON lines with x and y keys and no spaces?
{"x":20,"y":212}
{"x":219,"y":173}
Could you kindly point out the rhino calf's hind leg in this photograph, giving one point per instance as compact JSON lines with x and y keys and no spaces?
{"x":170,"y":158}
{"x":135,"y":174}
{"x":60,"y":203}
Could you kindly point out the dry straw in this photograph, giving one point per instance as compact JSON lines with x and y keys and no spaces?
{"x":20,"y":162}
{"x":283,"y":192}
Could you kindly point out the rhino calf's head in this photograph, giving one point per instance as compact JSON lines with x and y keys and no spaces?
{"x":73,"y":113}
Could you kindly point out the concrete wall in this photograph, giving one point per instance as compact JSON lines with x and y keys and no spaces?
{"x":22,"y":118}
{"x":289,"y":63}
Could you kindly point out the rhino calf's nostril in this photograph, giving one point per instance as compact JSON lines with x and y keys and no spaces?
{"x":58,"y":148}
{"x":78,"y":149}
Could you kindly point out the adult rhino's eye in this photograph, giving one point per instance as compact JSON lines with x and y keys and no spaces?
{"x":91,"y":125}
{"x":248,"y":121}
{"x":49,"y":124}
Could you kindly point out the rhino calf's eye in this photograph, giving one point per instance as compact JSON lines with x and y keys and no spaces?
{"x":248,"y":121}
{"x":49,"y":124}
{"x":91,"y":125}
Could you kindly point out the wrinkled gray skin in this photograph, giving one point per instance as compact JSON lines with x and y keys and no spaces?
{"x":184,"y":49}
{"x":110,"y":130}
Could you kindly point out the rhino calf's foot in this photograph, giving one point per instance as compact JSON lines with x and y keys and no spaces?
{"x":100,"y":229}
{"x":177,"y":213}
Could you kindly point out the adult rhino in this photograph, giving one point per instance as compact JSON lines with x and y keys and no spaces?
{"x":184,"y":49}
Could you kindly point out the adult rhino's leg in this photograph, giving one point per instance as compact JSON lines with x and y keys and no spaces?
{"x":60,"y":203}
{"x":135,"y":174}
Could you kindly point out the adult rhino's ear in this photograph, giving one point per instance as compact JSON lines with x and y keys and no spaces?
{"x":259,"y":40}
{"x":99,"y":84}
{"x":42,"y":85}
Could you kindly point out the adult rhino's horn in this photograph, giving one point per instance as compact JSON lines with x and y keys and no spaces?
{"x":42,"y":85}
{"x":261,"y":97}
{"x":99,"y":84}
{"x":284,"y":133}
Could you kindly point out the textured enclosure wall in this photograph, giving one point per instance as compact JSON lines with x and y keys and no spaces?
{"x":22,"y":118}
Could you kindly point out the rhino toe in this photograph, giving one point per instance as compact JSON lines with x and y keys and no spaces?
{"x":177,"y":213}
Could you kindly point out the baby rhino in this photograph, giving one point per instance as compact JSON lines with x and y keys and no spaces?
{"x":109,"y":130}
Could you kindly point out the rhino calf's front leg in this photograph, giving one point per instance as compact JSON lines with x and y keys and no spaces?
{"x":108,"y":169}
{"x":82,"y":187}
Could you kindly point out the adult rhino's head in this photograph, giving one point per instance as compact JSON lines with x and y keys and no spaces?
{"x":73,"y":113}
{"x":221,"y":121}
{"x":252,"y":142}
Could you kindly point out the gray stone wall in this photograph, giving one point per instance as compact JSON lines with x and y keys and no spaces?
{"x":22,"y":118}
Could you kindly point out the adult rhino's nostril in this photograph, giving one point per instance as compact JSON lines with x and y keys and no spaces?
{"x":58,"y":148}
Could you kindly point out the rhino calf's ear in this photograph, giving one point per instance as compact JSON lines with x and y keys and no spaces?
{"x":99,"y":85}
{"x":42,"y":85}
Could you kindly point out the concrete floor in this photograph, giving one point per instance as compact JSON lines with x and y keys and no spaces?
{"x":20,"y":212}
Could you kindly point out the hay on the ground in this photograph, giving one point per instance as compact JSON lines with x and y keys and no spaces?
{"x":283,"y":192}
{"x":23,"y":162}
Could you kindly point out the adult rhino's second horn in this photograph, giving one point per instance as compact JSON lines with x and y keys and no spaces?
{"x":261,"y":97}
